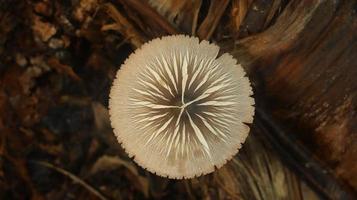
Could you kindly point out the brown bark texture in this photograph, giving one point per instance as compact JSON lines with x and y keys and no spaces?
{"x":304,"y":67}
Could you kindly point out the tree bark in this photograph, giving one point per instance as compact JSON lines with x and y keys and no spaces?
{"x":305,"y":74}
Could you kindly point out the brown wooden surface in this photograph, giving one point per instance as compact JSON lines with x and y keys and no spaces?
{"x":304,"y":65}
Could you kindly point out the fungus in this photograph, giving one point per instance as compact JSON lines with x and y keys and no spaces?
{"x":180,"y":110}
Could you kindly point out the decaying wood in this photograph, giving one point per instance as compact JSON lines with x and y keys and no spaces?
{"x":275,"y":6}
{"x":209,"y":24}
{"x":183,"y":14}
{"x":299,"y":158}
{"x":124,"y":26}
{"x":304,"y":65}
{"x":264,"y":181}
{"x":151,"y":16}
{"x":238,"y":13}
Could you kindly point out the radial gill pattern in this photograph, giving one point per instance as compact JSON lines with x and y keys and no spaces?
{"x":180,"y":110}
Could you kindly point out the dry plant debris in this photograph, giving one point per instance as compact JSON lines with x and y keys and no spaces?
{"x":59,"y":58}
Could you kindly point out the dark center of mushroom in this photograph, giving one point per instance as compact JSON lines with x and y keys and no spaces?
{"x":188,"y":100}
{"x":178,"y":108}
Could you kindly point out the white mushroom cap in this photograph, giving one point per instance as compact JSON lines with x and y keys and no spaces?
{"x":178,"y":109}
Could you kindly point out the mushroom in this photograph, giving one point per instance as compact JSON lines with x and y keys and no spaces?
{"x":180,"y":110}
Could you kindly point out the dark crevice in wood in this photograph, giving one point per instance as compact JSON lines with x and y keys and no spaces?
{"x":317,"y":174}
{"x":210,"y":23}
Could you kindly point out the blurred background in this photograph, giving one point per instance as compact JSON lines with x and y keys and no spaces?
{"x":58,"y":59}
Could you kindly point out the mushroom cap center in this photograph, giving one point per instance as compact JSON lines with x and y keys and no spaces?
{"x":180,"y":109}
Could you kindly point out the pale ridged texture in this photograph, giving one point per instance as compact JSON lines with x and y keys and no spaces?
{"x":180,"y":110}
